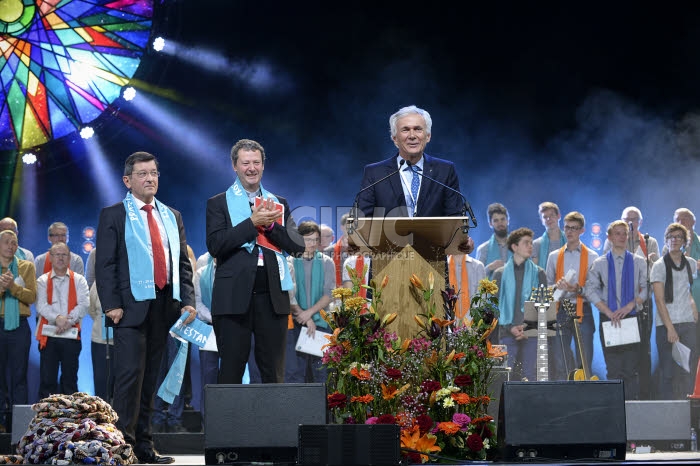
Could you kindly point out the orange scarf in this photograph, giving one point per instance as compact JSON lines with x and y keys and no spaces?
{"x":47,"y":264}
{"x":72,"y":303}
{"x":582,"y":271}
{"x":337,"y":258}
{"x":464,"y":299}
{"x":642,"y":243}
{"x":359,"y":269}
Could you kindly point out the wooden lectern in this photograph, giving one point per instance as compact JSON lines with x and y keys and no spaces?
{"x":401,"y":246}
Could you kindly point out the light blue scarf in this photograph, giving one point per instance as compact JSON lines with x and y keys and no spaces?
{"x":12,"y":303}
{"x":317,"y":280}
{"x":206,"y":282}
{"x":196,"y":332}
{"x":544,"y":247}
{"x":239,"y":210}
{"x":494,"y":252}
{"x":506,"y":297}
{"x":140,"y":260}
{"x":19,"y":254}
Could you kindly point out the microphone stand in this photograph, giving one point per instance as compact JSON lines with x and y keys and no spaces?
{"x":645,"y":335}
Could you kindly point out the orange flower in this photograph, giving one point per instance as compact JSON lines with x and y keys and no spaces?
{"x":459,"y":356}
{"x":415,"y":281}
{"x":420,"y":322}
{"x":362,"y":374}
{"x":461,"y":398}
{"x":391,"y":392}
{"x":488,"y":332}
{"x":332,"y":339}
{"x":411,"y":438}
{"x":494,"y":352}
{"x":482,"y":419}
{"x":442,"y":323}
{"x":362,"y":399}
{"x":450,"y":356}
{"x":404,"y":346}
{"x":389,"y":318}
{"x":449,"y":427}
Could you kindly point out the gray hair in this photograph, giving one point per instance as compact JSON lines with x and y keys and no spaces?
{"x":402,"y":112}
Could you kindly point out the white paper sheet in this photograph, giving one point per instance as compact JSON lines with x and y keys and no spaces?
{"x":624,"y":335}
{"x":306,"y":344}
{"x":681,"y":354}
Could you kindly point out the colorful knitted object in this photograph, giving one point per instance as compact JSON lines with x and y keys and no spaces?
{"x":74,"y":429}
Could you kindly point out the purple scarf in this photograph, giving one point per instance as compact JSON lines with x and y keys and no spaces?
{"x":627,"y":292}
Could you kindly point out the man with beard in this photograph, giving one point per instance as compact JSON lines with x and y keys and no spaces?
{"x":494,"y":253}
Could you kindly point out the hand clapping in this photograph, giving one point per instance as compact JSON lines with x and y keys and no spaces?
{"x":265,"y":213}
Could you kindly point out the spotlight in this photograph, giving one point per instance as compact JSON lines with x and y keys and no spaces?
{"x":597,"y":243}
{"x":29,"y":158}
{"x":88,"y":246}
{"x":129,"y":94}
{"x":596,"y":229}
{"x":89,"y":233}
{"x":158,"y":44}
{"x":87,"y":132}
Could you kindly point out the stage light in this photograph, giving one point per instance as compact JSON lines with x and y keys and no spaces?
{"x":88,"y":246}
{"x":596,"y":229}
{"x":89,"y":233}
{"x":129,"y":94}
{"x":158,"y":44}
{"x":29,"y":158}
{"x":597,"y":243}
{"x":87,"y":132}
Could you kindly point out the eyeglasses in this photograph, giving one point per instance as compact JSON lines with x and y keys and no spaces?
{"x":59,"y":255}
{"x":58,"y":235}
{"x":571,"y":228}
{"x":143,"y":174}
{"x":675,"y":237}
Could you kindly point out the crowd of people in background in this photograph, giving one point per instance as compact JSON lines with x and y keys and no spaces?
{"x":264,"y":280}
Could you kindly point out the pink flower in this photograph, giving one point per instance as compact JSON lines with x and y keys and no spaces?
{"x":462,"y":419}
{"x":372,"y":420}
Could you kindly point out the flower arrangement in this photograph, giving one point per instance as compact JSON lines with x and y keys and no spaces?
{"x":434,"y":386}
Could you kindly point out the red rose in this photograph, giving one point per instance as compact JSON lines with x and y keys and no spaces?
{"x":425,"y":423}
{"x":386,"y":419}
{"x":475,"y":443}
{"x":393,"y":373}
{"x":429,"y":386}
{"x":462,"y":380}
{"x":337,"y":400}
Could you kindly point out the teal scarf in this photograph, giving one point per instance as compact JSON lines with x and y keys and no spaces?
{"x":140,"y":259}
{"x":506,"y":297}
{"x":11,"y":303}
{"x":239,"y":210}
{"x":544,"y":247}
{"x":317,"y":279}
{"x":19,"y":254}
{"x":494,"y":252}
{"x":206,"y":282}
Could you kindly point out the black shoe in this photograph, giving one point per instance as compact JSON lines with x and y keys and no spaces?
{"x":152,"y":457}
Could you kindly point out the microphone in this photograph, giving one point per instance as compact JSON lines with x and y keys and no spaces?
{"x":352,"y":218}
{"x":466,"y":207}
{"x":631,"y":226}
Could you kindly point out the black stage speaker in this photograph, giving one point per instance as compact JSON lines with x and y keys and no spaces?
{"x":562,"y":420}
{"x":259,"y":422}
{"x":341,"y":444}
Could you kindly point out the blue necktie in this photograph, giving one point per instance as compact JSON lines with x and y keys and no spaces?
{"x":415,"y":183}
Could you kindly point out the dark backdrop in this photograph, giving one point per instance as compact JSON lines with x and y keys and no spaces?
{"x":594,"y":108}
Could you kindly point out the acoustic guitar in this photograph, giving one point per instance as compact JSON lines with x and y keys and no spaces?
{"x":584,"y":373}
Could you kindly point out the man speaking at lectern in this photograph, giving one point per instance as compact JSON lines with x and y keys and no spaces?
{"x":400,"y":186}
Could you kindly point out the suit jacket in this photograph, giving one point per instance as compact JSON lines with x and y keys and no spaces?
{"x":112,"y":269}
{"x":388,"y":198}
{"x":236,"y":267}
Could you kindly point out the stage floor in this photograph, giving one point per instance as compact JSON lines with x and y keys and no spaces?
{"x":682,"y":457}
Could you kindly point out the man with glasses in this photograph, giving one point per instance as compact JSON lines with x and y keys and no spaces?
{"x":677,"y":314}
{"x":144,"y":281}
{"x":553,"y":238}
{"x":58,"y":233}
{"x":314,"y":279}
{"x":637,"y":243}
{"x":574,"y":255}
{"x":63,"y":298}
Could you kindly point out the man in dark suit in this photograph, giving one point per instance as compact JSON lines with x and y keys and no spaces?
{"x":144,"y":281}
{"x":407,"y":193}
{"x":251,"y":284}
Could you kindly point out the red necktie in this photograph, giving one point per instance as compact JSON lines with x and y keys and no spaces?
{"x":160,"y":273}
